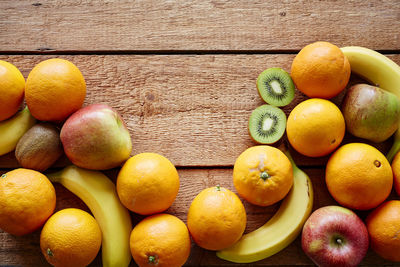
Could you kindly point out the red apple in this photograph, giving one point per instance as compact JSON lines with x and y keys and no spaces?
{"x":335,"y":236}
{"x":95,"y":137}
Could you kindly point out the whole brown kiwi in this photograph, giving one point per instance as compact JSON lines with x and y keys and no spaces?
{"x":39,"y":147}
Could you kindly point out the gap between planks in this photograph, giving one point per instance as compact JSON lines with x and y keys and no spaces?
{"x":50,"y":51}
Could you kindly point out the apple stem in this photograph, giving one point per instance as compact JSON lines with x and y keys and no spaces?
{"x":339,"y":241}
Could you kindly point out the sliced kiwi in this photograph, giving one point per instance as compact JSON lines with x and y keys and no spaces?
{"x":267,"y":124}
{"x":276,"y":87}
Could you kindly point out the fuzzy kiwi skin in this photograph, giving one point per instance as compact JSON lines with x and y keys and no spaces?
{"x":39,"y":147}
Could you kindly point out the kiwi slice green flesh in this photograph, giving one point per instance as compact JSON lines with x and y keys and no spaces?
{"x":276,"y":87}
{"x":267,"y":124}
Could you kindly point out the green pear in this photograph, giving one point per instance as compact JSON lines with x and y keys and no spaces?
{"x":371,"y":112}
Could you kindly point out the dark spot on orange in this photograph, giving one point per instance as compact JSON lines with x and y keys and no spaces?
{"x":377,"y":163}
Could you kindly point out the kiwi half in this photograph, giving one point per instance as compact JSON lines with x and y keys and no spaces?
{"x":275,"y":87}
{"x":267,"y":124}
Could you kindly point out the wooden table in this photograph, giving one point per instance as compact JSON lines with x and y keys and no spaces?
{"x":182,"y":75}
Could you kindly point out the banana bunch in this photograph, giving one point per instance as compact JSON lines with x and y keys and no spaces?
{"x":12,"y":129}
{"x":282,"y":229}
{"x":99,"y":194}
{"x":380,"y":71}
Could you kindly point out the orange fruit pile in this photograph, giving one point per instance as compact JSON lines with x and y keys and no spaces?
{"x":55,"y":88}
{"x":359,"y":176}
{"x":216,"y":218}
{"x":12,"y":87}
{"x":70,"y":237}
{"x":262,"y":175}
{"x":315,"y":127}
{"x":160,"y":240}
{"x":320,"y":70}
{"x":383,"y":226}
{"x":27,"y":199}
{"x":147,"y":183}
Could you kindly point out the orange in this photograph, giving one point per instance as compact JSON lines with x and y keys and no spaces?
{"x":147,"y":183}
{"x":262,"y":175}
{"x":396,"y":173}
{"x":71,"y":237}
{"x":383,"y":226}
{"x":12,"y":87}
{"x":320,"y":70}
{"x":315,"y":127}
{"x":160,"y":240}
{"x":358,"y":176}
{"x":27,"y":199}
{"x":55,"y":88}
{"x":216,"y":218}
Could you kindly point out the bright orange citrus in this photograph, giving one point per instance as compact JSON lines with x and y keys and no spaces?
{"x":70,"y":238}
{"x":359,"y":176}
{"x":216,"y":218}
{"x":315,"y":127}
{"x":383,"y":226}
{"x":12,"y":87}
{"x":160,"y":240}
{"x":320,"y":70}
{"x":262,"y":175}
{"x":27,"y":199}
{"x":147,"y":183}
{"x":55,"y":88}
{"x":396,"y":173}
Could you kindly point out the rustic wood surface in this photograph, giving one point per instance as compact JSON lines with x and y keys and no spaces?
{"x":182,"y":75}
{"x":195,"y":25}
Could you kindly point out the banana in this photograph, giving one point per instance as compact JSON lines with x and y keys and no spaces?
{"x":12,"y":129}
{"x":99,"y":194}
{"x":380,"y":71}
{"x":282,"y":229}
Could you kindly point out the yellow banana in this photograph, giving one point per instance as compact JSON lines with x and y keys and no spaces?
{"x":12,"y":129}
{"x":282,"y":229}
{"x":380,"y":71}
{"x":99,"y":194}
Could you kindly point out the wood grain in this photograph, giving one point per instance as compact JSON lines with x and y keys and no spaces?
{"x":193,"y":109}
{"x":25,"y":251}
{"x":211,"y":25}
{"x":182,"y":75}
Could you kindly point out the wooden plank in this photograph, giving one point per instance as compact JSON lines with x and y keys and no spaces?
{"x":193,"y":109}
{"x":195,"y":25}
{"x":25,"y":251}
